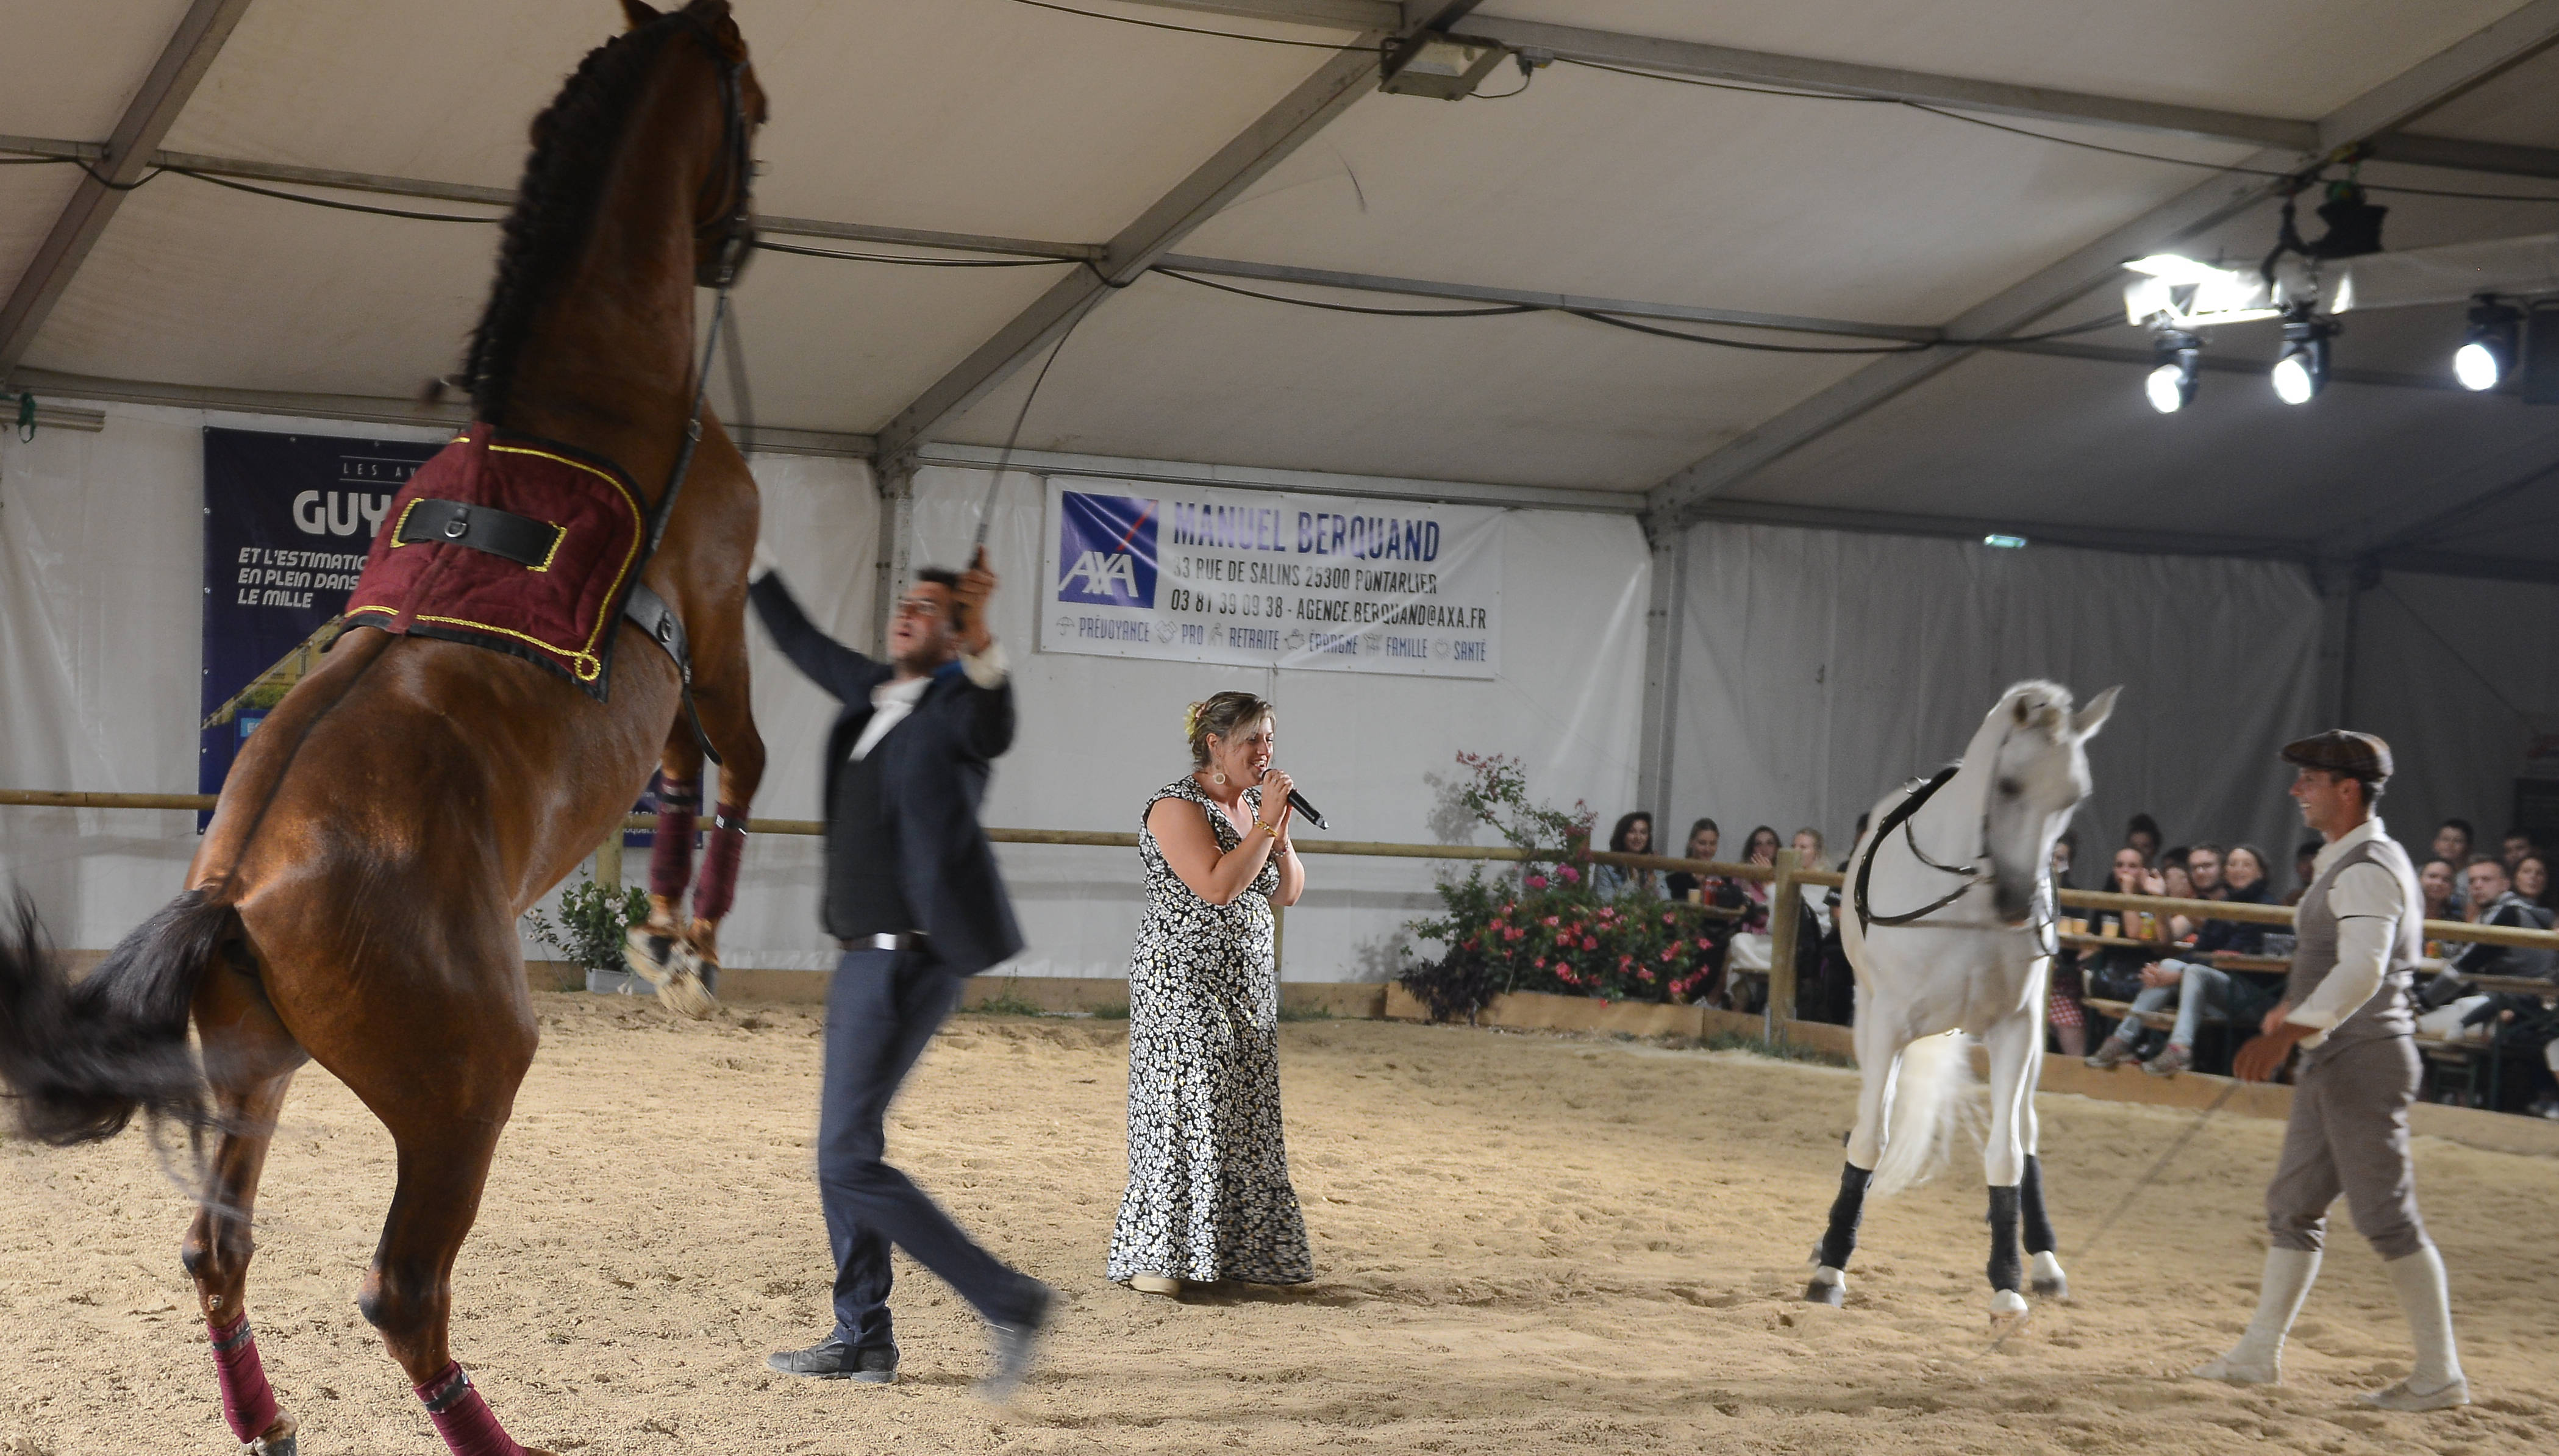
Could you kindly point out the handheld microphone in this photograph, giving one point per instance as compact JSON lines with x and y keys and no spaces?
{"x":1298,"y":802}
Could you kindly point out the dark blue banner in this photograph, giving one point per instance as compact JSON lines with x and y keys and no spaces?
{"x":288,"y":519}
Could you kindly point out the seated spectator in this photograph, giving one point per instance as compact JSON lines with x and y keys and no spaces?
{"x":2533,"y":879}
{"x":2493,"y":902}
{"x":2240,"y":877}
{"x":2435,"y":882}
{"x":2453,"y":846}
{"x":2142,"y":834}
{"x":2114,"y":973}
{"x":2204,"y":866}
{"x":1703,"y":840}
{"x":2062,"y":1009}
{"x":2201,"y":992}
{"x":2171,"y":879}
{"x":1759,"y":848}
{"x":1633,"y":836}
{"x":1808,"y":853}
{"x":2513,"y":848}
{"x":2523,"y":1026}
{"x":2304,"y":869}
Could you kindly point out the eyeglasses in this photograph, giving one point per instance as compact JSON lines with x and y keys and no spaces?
{"x":918,"y":606}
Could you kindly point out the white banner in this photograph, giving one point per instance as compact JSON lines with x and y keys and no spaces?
{"x":1194,"y":574}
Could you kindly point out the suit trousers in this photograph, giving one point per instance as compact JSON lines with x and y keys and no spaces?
{"x":883,"y":1009}
{"x":2348,"y":1133}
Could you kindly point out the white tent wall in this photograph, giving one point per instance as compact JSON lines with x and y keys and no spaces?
{"x":2452,"y":671}
{"x":1100,"y":734}
{"x":101,"y":576}
{"x":1820,"y":668}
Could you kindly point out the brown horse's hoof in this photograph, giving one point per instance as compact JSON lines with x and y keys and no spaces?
{"x":281,"y":1439}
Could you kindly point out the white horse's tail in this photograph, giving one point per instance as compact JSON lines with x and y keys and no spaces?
{"x":1931,"y":1097}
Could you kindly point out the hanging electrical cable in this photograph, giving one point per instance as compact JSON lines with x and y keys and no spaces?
{"x":1157,"y":25}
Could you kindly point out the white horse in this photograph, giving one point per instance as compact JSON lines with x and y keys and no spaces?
{"x":1947,"y":917}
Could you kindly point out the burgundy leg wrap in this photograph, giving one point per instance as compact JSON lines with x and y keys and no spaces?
{"x":248,"y":1403}
{"x":671,"y":859}
{"x":465,"y":1420}
{"x":718,"y":888}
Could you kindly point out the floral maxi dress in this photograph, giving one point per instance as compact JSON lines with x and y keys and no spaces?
{"x":1209,"y":1196}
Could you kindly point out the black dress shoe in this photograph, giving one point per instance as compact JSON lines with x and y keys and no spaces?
{"x":833,"y":1360}
{"x":1015,"y":1343}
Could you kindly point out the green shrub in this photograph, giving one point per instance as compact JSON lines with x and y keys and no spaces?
{"x":594,"y":922}
{"x":1541,"y":928}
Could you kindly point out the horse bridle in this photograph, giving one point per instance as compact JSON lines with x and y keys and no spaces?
{"x":1899,"y":818}
{"x":646,"y":610}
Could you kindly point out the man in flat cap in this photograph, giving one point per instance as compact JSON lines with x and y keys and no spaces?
{"x":2346,"y":1005}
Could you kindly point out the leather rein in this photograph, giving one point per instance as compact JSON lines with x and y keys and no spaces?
{"x":1899,"y":818}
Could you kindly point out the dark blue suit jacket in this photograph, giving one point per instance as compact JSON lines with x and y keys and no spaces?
{"x":934,"y":769}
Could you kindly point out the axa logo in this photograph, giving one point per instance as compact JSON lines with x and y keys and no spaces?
{"x":1113,"y":576}
{"x":1107,"y":550}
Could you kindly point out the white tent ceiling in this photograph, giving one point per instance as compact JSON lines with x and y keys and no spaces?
{"x":1002,"y":119}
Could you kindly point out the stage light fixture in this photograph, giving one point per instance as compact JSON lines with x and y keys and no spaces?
{"x":2008,"y":543}
{"x":2487,"y":354}
{"x":2302,"y":371}
{"x":2179,"y":357}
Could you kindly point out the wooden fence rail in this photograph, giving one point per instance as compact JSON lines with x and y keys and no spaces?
{"x":1787,"y":878}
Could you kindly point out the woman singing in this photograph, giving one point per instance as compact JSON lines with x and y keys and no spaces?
{"x":1209,"y":1197}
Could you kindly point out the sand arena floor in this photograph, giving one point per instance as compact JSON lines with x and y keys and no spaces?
{"x":1527,"y":1245}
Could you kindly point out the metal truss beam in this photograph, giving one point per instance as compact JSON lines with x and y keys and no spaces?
{"x":2050,"y":104}
{"x":147,"y":119}
{"x":48,"y":385}
{"x":1277,"y":132}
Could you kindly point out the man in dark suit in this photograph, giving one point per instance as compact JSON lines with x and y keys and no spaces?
{"x":913,"y":896}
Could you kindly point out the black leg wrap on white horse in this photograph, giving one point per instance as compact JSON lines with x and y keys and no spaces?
{"x":2038,"y":1229}
{"x":2008,"y":1271}
{"x":1847,"y":1210}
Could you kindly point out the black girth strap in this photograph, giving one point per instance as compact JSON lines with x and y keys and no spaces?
{"x":518,"y":538}
{"x":648,"y":612}
{"x":1898,"y":818}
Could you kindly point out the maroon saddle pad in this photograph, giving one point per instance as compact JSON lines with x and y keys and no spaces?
{"x":521,"y":545}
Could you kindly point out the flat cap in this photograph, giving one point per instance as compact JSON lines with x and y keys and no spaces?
{"x":2355,"y":755}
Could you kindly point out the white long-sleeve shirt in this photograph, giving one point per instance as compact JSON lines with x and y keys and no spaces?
{"x":2367,"y":902}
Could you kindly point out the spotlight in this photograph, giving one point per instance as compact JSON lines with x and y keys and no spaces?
{"x":2303,"y":368}
{"x":2487,"y":354}
{"x":2172,"y":382}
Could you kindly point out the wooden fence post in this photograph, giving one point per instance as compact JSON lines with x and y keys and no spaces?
{"x":1785,"y":911}
{"x":608,"y":861}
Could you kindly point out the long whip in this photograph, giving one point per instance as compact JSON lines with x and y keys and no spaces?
{"x":2122,"y":1204}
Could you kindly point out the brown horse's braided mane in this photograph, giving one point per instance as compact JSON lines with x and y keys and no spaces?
{"x":556,"y":205}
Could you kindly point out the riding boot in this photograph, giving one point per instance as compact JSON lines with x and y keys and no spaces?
{"x":2437,"y":1381}
{"x":2258,"y":1358}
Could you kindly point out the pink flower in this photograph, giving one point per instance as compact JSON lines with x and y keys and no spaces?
{"x":1567,"y":874}
{"x":1589,"y":943}
{"x":1553,"y":920}
{"x":1470,"y":944}
{"x":1541,"y":962}
{"x":1669,"y":950}
{"x":1706,"y":945}
{"x":1625,"y":961}
{"x":1513,"y":933}
{"x":1537,"y":882}
{"x":1668,"y":919}
{"x":1647,"y":978}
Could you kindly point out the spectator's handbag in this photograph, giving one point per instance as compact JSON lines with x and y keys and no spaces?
{"x":2110,"y":981}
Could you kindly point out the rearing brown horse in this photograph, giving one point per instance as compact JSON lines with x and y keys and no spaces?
{"x":355,"y":900}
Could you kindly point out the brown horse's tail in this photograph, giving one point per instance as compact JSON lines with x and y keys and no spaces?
{"x":79,"y":1059}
